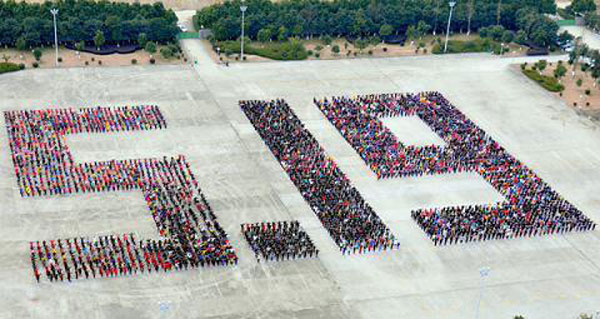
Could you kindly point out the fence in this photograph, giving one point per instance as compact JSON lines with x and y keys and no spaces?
{"x":188,"y":35}
{"x":566,"y":23}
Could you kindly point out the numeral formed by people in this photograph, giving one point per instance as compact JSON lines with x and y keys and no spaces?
{"x":349,"y":219}
{"x":44,"y":166}
{"x":531,"y":206}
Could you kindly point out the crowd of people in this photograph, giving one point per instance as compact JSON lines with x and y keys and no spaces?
{"x":350,"y":221}
{"x":531,"y":206}
{"x":279,"y":241}
{"x":44,"y":166}
{"x":109,"y":256}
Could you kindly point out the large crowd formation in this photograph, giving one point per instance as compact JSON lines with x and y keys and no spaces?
{"x":531,"y":206}
{"x":44,"y":166}
{"x":279,"y":241}
{"x":350,"y":221}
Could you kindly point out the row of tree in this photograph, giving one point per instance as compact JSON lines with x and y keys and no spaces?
{"x":592,"y":21}
{"x":588,"y":58}
{"x":306,"y":18}
{"x":82,"y":20}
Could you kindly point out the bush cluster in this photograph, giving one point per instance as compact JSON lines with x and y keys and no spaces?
{"x":9,"y":67}
{"x":549,"y":83}
{"x":477,"y":45}
{"x":290,"y":50}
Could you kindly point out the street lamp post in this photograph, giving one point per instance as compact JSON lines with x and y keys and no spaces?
{"x":54,"y":14}
{"x":452,"y":4}
{"x":243,"y":9}
{"x":483,"y":272}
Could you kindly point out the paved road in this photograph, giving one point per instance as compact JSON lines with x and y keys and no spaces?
{"x":592,"y":39}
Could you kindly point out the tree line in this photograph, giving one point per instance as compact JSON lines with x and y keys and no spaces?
{"x":359,"y":18}
{"x":31,"y":25}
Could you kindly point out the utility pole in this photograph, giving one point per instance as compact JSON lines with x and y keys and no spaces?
{"x":498,"y":12}
{"x":243,"y":8}
{"x":54,"y":14}
{"x":452,"y":4}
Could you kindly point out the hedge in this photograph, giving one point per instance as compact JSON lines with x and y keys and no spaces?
{"x":477,"y":45}
{"x":549,"y":83}
{"x":276,"y":51}
{"x":8,"y":67}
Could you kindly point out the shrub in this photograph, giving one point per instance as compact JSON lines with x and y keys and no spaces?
{"x":150,"y":47}
{"x":588,"y":92}
{"x":35,"y":64}
{"x":370,"y":52}
{"x":317,"y":55}
{"x":142,"y":39}
{"x":264,"y":35}
{"x":289,"y":50}
{"x":87,"y":63}
{"x":93,"y":59}
{"x":176,"y":49}
{"x":327,"y":40}
{"x":549,"y":83}
{"x":523,"y":66}
{"x":309,"y":52}
{"x":386,"y":30}
{"x":579,"y":82}
{"x":374,"y":40}
{"x":152,"y":61}
{"x":6,"y":67}
{"x":335,"y":49}
{"x":60,"y":59}
{"x":37,"y":54}
{"x":319,"y":48}
{"x":21,"y":44}
{"x":133,"y":61}
{"x":79,"y":46}
{"x":99,"y":62}
{"x":587,"y":103}
{"x":355,"y":53}
{"x":21,"y":66}
{"x":477,"y":45}
{"x":384,"y":49}
{"x":166,"y":52}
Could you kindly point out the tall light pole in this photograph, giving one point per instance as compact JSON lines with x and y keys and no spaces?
{"x":452,"y":4}
{"x":483,"y":272}
{"x":243,"y":9}
{"x":54,"y":14}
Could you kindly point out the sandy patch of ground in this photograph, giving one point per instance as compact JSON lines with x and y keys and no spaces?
{"x":574,"y":93}
{"x":71,"y":58}
{"x":381,"y":50}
